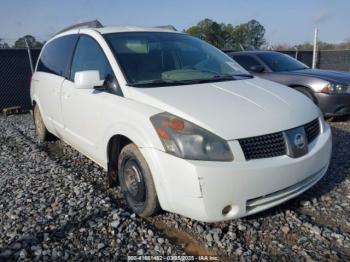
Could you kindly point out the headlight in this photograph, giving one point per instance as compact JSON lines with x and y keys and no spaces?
{"x":187,"y":140}
{"x":334,"y":89}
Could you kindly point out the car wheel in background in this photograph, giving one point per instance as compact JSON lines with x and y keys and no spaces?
{"x":136,"y":182}
{"x":330,"y":118}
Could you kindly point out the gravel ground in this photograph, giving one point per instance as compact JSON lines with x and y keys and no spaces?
{"x":55,"y":204}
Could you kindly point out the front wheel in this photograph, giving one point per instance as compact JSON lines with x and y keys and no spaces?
{"x":136,"y":182}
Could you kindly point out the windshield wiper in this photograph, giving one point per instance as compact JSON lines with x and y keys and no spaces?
{"x":218,"y":78}
{"x":164,"y":82}
{"x":244,"y":75}
{"x":154,"y":83}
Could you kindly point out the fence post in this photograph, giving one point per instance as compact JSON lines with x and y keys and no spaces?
{"x":314,"y":56}
{"x":296,"y":53}
{"x":29,"y":56}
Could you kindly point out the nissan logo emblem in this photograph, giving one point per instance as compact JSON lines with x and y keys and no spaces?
{"x":299,"y":141}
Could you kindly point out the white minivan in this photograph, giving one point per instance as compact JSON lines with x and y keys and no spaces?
{"x":177,"y":123}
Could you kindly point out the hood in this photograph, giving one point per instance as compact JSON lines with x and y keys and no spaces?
{"x":233,"y":109}
{"x":328,"y":75}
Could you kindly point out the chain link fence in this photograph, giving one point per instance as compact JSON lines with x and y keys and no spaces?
{"x":15,"y":71}
{"x":15,"y":75}
{"x":332,"y":60}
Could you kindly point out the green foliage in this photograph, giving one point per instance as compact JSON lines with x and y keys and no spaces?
{"x":32,"y":42}
{"x":250,"y":35}
{"x":321,"y":46}
{"x":3,"y":44}
{"x":210,"y":31}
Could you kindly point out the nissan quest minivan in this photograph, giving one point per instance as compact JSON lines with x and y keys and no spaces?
{"x":177,"y":123}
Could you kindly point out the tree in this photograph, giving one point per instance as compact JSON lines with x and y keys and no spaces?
{"x":250,"y":35}
{"x":255,"y":34}
{"x":210,"y":31}
{"x":239,"y":37}
{"x":226,"y":36}
{"x":3,"y":44}
{"x":32,"y":42}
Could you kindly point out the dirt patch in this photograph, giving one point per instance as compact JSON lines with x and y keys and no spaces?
{"x":189,"y":244}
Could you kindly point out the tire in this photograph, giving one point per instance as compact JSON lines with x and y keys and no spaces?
{"x":330,"y":118}
{"x":42,"y":133}
{"x":136,"y":182}
{"x":306,"y":92}
{"x":112,"y":176}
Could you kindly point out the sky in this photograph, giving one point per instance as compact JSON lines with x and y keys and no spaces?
{"x":286,"y":22}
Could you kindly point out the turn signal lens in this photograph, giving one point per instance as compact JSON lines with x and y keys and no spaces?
{"x":327,"y":89}
{"x":175,"y":124}
{"x":162,"y":133}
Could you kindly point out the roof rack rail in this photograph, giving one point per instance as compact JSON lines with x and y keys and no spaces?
{"x":169,"y":27}
{"x":89,"y":24}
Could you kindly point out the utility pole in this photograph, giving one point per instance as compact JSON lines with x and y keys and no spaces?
{"x":314,"y":57}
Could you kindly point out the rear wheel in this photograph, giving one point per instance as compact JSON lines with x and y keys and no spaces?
{"x":136,"y":182}
{"x":41,"y":132}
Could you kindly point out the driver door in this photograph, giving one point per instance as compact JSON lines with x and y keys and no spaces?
{"x":82,"y":108}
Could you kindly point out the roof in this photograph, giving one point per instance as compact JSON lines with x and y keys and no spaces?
{"x":97,"y":26}
{"x":117,"y":29}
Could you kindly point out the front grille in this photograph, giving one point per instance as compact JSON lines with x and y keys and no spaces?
{"x":271,"y":145}
{"x":312,"y":130}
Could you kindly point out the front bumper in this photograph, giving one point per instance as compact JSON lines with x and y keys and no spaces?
{"x":334,"y":105}
{"x":202,"y":189}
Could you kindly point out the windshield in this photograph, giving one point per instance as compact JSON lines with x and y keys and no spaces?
{"x":281,"y":62}
{"x":172,"y":58}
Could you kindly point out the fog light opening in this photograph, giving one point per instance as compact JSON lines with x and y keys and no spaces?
{"x":226,"y":210}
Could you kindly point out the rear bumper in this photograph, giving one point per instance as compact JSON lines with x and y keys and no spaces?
{"x":334,"y":105}
{"x":202,"y":189}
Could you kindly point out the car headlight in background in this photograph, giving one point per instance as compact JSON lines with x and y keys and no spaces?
{"x":334,"y":89}
{"x":189,"y":141}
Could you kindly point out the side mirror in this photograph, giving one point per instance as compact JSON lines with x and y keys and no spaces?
{"x":257,"y":69}
{"x":111,"y":85}
{"x":87,"y":79}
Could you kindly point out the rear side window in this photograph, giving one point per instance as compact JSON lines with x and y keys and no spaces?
{"x":56,"y":56}
{"x":89,"y":56}
{"x":246,"y":61}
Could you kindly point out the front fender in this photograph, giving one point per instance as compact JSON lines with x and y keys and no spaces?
{"x":143,"y":136}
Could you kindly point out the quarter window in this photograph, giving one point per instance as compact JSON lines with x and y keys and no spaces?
{"x":56,"y":56}
{"x":89,"y":56}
